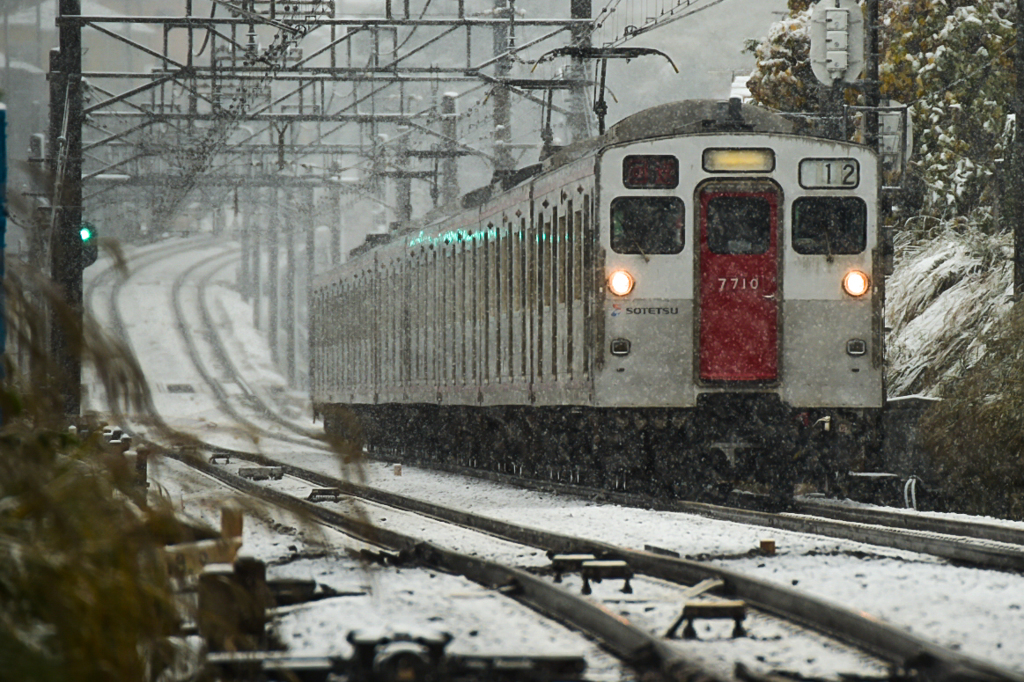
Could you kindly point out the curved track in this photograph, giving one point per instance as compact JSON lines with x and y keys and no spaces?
{"x":891,"y":643}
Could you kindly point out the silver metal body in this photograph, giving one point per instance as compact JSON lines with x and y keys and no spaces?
{"x":506,"y":302}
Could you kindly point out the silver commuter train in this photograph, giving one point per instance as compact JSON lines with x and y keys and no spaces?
{"x":691,"y":300}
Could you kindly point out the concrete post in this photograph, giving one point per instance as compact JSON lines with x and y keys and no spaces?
{"x":273,"y":258}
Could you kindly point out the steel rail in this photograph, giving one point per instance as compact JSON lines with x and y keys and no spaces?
{"x":918,"y":522}
{"x":224,"y":358}
{"x":859,"y":629}
{"x":633,"y":645}
{"x":968,"y":547}
{"x":204,"y":372}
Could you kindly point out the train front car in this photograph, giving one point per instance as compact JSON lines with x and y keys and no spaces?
{"x":742,"y":308}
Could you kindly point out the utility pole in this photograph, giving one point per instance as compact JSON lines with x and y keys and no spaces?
{"x":449,"y":166}
{"x":873,"y":90}
{"x":579,"y":118}
{"x":1015,"y":208}
{"x":289,"y":293}
{"x":503,"y":162}
{"x":273,"y":276}
{"x":256,"y":265}
{"x":66,"y":245}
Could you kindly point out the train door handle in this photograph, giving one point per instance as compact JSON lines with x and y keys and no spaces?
{"x":773,"y":297}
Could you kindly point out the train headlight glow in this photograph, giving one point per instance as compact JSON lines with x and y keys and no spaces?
{"x":621,"y":283}
{"x":856,"y":283}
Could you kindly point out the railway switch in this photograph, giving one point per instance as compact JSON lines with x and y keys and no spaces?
{"x":324,"y":494}
{"x":262,"y":473}
{"x":597,"y":571}
{"x":566,"y":563}
{"x":717,"y":609}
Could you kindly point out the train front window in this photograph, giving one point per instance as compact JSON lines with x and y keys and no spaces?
{"x":829,"y":225}
{"x":739,"y":225}
{"x":647,"y":225}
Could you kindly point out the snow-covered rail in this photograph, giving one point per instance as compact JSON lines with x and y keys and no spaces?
{"x":902,"y":649}
{"x":634,"y":645}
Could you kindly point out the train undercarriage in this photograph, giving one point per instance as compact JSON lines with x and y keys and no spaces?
{"x":729,"y":442}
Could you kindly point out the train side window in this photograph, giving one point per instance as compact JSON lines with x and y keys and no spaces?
{"x":563,"y":245}
{"x":647,"y":225}
{"x":739,"y":225}
{"x":829,"y":225}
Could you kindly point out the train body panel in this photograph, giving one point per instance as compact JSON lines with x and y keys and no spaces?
{"x":738,"y":328}
{"x":723,"y":297}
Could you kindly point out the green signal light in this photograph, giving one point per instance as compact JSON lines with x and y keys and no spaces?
{"x":85,"y":233}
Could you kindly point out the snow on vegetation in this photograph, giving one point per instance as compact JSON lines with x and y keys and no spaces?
{"x":946,"y":296}
{"x":954,"y":331}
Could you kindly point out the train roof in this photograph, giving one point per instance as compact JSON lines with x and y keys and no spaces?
{"x":686,"y":117}
{"x":696,"y":116}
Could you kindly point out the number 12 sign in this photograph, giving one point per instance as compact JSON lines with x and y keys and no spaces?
{"x":829,"y":173}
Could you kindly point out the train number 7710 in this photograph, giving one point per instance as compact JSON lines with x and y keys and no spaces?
{"x":737,"y":283}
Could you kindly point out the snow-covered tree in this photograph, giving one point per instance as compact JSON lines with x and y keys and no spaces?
{"x":951,"y":60}
{"x":782,"y":77}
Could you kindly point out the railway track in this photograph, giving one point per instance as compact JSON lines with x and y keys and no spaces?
{"x":907,"y":654}
{"x":890,"y":643}
{"x":968,"y":542}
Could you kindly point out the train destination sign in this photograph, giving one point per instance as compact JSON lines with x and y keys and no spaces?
{"x":829,"y":173}
{"x":650,"y":171}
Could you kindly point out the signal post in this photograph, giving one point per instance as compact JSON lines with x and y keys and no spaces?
{"x":66,"y":244}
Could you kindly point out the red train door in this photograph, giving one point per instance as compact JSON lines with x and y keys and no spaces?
{"x":739,"y":269}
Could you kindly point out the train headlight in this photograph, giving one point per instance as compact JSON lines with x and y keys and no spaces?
{"x":621,"y":283}
{"x":856,"y":283}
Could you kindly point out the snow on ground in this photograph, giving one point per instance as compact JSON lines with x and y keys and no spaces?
{"x":977,"y":611}
{"x":980,"y":612}
{"x":405,"y":599}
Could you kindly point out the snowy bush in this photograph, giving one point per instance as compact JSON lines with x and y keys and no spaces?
{"x":975,"y":437}
{"x":948,"y":292}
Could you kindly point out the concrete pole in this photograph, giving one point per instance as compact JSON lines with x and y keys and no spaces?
{"x":256,"y":232}
{"x":579,"y":104}
{"x":307,"y":303}
{"x":335,"y":223}
{"x":403,"y":183}
{"x":273,"y":256}
{"x":503,"y":161}
{"x":450,"y":164}
{"x":245,"y":236}
{"x":289,"y":297}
